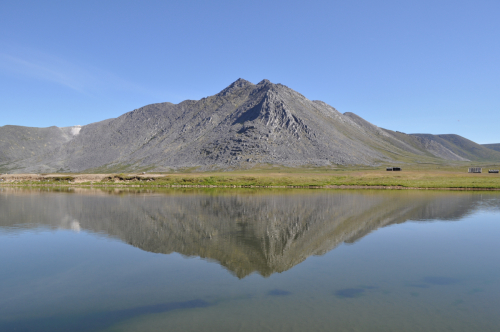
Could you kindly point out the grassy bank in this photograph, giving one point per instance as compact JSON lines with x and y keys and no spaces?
{"x":452,"y":178}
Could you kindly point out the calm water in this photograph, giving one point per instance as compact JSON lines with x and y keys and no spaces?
{"x":88,"y":260}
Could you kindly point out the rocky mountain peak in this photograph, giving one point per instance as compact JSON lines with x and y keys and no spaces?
{"x":272,"y":89}
{"x":236,"y":85}
{"x":264,"y":82}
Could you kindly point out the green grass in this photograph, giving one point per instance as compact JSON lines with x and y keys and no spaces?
{"x":413,"y":176}
{"x":372,"y":179}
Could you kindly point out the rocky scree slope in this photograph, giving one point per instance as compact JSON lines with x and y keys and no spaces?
{"x":243,"y":125}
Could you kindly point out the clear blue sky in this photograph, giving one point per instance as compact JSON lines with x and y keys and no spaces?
{"x":413,"y":66}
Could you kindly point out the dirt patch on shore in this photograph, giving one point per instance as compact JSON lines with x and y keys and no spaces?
{"x":72,"y":178}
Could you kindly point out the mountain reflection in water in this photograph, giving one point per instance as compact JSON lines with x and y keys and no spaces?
{"x":245,"y":231}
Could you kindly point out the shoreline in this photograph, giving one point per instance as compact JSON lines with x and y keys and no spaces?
{"x":138,"y":186}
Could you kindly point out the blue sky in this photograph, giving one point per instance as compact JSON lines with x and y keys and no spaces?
{"x":413,"y":66}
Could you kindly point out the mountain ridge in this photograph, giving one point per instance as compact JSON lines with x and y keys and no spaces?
{"x":243,"y":125}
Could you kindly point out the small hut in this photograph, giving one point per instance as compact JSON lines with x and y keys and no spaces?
{"x":475,"y":170}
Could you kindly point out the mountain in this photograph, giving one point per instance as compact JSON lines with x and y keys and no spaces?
{"x":495,"y":146}
{"x":244,"y":125}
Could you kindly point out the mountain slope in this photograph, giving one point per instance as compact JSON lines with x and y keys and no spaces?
{"x":427,"y":145}
{"x":414,"y":148}
{"x":18,"y":143}
{"x":495,"y":146}
{"x":463,"y":147}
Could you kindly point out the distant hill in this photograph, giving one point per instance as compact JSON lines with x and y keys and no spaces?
{"x":463,"y":147}
{"x":495,"y":147}
{"x":18,"y":143}
{"x":242,"y":126}
{"x":427,"y":144}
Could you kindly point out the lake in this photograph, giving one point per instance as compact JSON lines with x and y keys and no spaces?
{"x":249,"y":260}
